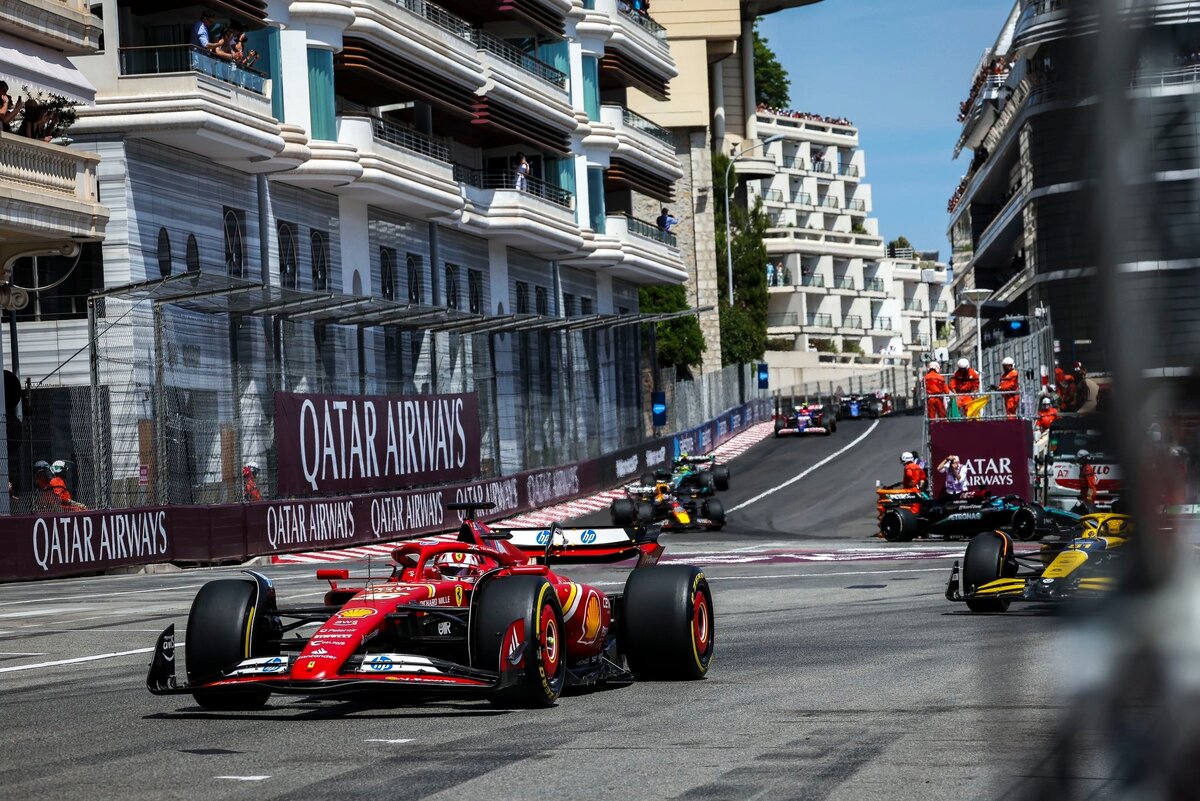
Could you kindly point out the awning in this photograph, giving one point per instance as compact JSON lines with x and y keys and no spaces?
{"x":31,"y":68}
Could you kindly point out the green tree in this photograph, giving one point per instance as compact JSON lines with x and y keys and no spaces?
{"x":744,"y":324}
{"x":900,"y":242}
{"x":772,"y":86}
{"x":680,"y":342}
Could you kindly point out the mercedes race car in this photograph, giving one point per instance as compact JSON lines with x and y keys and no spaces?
{"x":856,"y":407}
{"x":803,"y":418}
{"x":692,"y":475}
{"x":992,"y":575}
{"x":909,"y":515}
{"x":481,"y":613}
{"x":661,"y":505}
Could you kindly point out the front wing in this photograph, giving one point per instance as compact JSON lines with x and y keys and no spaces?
{"x":1030,"y":588}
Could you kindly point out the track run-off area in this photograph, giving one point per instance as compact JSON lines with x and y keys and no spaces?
{"x":841,"y":673}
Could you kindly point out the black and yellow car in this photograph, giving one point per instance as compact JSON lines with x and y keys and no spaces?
{"x":1086,"y":566}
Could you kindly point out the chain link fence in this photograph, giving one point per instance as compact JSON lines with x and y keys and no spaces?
{"x":895,"y":380}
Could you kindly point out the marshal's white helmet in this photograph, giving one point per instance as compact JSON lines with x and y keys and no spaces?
{"x":1045,"y":401}
{"x":934,"y":366}
{"x":1007,"y":361}
{"x":1083,"y":454}
{"x":907,"y":457}
{"x":963,"y":364}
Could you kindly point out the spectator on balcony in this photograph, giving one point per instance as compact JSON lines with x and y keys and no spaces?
{"x":8,"y":109}
{"x":522,"y":173}
{"x":202,"y":29}
{"x":38,"y":122}
{"x":666,"y":221}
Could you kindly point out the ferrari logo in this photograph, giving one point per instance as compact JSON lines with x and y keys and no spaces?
{"x":458,"y":595}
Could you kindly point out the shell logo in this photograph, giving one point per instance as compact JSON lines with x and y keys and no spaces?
{"x":356,"y":613}
{"x":591,"y":619}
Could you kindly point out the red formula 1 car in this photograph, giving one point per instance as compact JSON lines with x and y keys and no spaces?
{"x":480,"y":613}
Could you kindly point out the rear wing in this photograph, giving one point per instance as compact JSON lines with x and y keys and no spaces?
{"x":584,"y":545}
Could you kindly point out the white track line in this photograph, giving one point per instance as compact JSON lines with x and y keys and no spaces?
{"x":77,"y":660}
{"x":805,"y":472}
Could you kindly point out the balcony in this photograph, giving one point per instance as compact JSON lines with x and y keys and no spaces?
{"x":822,"y":168}
{"x":844,"y":284}
{"x":783,"y":320}
{"x":650,"y":254}
{"x":912,"y":307}
{"x":941,"y":307}
{"x":882,"y":324}
{"x":534,"y":90}
{"x":875,"y":285}
{"x":402,"y":170}
{"x":641,"y":37}
{"x":422,"y":34}
{"x":184,"y":97}
{"x":830,"y":202}
{"x":850,"y":171}
{"x":808,"y":129}
{"x":795,"y":163}
{"x":823,"y":321}
{"x":536,"y":216}
{"x":642,"y":142}
{"x":813,"y":281}
{"x":48,"y":197}
{"x":818,"y":241}
{"x":856,"y":206}
{"x":63,"y":25}
{"x":853,"y":322}
{"x":774,"y":196}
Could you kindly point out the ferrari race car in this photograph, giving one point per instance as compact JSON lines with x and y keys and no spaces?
{"x":992,"y":575}
{"x":480,"y":613}
{"x":909,"y":515}
{"x":660,"y":504}
{"x":692,"y":475}
{"x":804,"y":419}
{"x":856,"y":407}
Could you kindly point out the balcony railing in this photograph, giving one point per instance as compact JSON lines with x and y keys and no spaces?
{"x":813,"y":281}
{"x":874,"y":285}
{"x":820,"y":320}
{"x":47,"y":169}
{"x":507,"y":179}
{"x":830,"y":202}
{"x":440,"y":17}
{"x":644,"y":21}
{"x":844,"y":283}
{"x":941,"y":306}
{"x":519,"y":58}
{"x":168,"y":59}
{"x":783,"y":320}
{"x":849,"y":170}
{"x":803,"y":199}
{"x":795,"y":163}
{"x":823,"y":166}
{"x":882,"y":324}
{"x":852,"y":321}
{"x":406,"y":139}
{"x":901,"y":253}
{"x":648,"y":230}
{"x":856,"y":205}
{"x":635,"y":120}
{"x":914,"y":305}
{"x":774,"y":196}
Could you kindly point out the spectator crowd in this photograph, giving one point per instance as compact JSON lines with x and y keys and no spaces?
{"x":998,"y":66}
{"x":226,"y":41}
{"x":802,"y":115}
{"x":40,"y":117}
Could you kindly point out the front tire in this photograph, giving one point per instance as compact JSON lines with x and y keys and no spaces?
{"x":720,"y":475}
{"x":532,"y":600}
{"x":1027,"y":523}
{"x":668,"y":626}
{"x":899,"y":525}
{"x":988,"y":557}
{"x":224,"y":628}
{"x":714,"y":510}
{"x":645,"y":513}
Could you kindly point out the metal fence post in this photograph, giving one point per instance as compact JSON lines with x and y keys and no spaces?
{"x":99,"y":462}
{"x":161,"y":472}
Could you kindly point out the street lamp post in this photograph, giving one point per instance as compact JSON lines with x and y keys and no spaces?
{"x":728,"y":238}
{"x":977,"y":297}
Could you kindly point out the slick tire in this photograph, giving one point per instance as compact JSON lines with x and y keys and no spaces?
{"x":532,"y":600}
{"x":899,"y":525}
{"x":831,"y":428}
{"x":221,"y":632}
{"x":714,"y":510}
{"x":623,"y":512}
{"x":1028,"y":523}
{"x":720,"y":475}
{"x":667,"y":625}
{"x":706,"y":483}
{"x":645,"y":513}
{"x":988,"y":557}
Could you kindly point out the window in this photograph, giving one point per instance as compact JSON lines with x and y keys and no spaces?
{"x":542,"y":300}
{"x":289,"y":262}
{"x":387,"y":273}
{"x":522,"y":297}
{"x":415,"y":295}
{"x":595,"y":189}
{"x":452,"y":292}
{"x":64,"y":283}
{"x":585,"y":306}
{"x":235,"y":242}
{"x":591,"y":87}
{"x":475,"y":291}
{"x":192,"y":256}
{"x":164,"y":252}
{"x":568,"y":305}
{"x":321,"y":103}
{"x":320,"y":260}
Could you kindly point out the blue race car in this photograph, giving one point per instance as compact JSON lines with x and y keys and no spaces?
{"x":801,"y":417}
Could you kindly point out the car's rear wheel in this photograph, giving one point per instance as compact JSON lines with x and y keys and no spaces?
{"x":224,"y":628}
{"x":706,"y":483}
{"x":988,"y":557}
{"x":623,"y":512}
{"x":542,"y":646}
{"x":899,"y":525}
{"x":645,"y":512}
{"x":668,"y":625}
{"x":1027,"y":523}
{"x":720,"y":475}
{"x":714,"y":510}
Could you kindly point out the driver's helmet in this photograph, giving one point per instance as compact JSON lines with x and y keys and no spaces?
{"x":661,"y":490}
{"x":58,"y":467}
{"x":41,"y":466}
{"x":456,"y":565}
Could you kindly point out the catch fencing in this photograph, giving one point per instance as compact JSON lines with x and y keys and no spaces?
{"x":895,"y":380}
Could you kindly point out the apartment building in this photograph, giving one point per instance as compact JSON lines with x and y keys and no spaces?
{"x":921,"y":299}
{"x":1020,"y":221}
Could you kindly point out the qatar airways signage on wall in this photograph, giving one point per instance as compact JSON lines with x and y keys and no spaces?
{"x":996,"y":454}
{"x":351,"y":443}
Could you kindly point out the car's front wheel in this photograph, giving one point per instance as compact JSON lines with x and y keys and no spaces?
{"x":539,"y":641}
{"x":899,"y":525}
{"x":224,"y":628}
{"x":667,"y":630}
{"x":988,"y":557}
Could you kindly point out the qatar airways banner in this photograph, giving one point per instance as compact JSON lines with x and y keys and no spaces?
{"x":996,"y":454}
{"x":354,"y":443}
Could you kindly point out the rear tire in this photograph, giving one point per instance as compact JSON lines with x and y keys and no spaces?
{"x":714,"y":510}
{"x":720,"y":475}
{"x":988,"y":558}
{"x":623,"y":512}
{"x":706,"y":483}
{"x":1027,"y":523}
{"x":667,"y":627}
{"x":532,"y":600}
{"x":899,"y":525}
{"x":645,"y":513}
{"x":218,"y":639}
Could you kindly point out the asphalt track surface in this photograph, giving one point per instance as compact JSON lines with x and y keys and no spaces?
{"x":833,"y":680}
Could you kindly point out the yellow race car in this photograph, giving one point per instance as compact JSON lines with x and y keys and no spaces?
{"x":993,"y":575}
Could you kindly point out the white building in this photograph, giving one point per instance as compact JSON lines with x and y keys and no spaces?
{"x":920,"y":298}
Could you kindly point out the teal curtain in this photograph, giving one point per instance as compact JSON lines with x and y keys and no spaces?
{"x":270,"y":61}
{"x":561,"y":173}
{"x":320,"y":95}
{"x":596,"y":198}
{"x":556,"y":55}
{"x":591,"y":87}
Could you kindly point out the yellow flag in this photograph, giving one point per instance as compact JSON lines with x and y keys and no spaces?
{"x":975,"y":407}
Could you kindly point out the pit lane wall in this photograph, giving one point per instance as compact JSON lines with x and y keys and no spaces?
{"x":78,"y":543}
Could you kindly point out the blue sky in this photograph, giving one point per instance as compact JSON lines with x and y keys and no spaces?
{"x":898,"y":69}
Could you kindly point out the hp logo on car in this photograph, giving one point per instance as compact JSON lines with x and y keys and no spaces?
{"x":543,"y":537}
{"x":273,"y":665}
{"x":379,"y":663}
{"x":588,"y":537}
